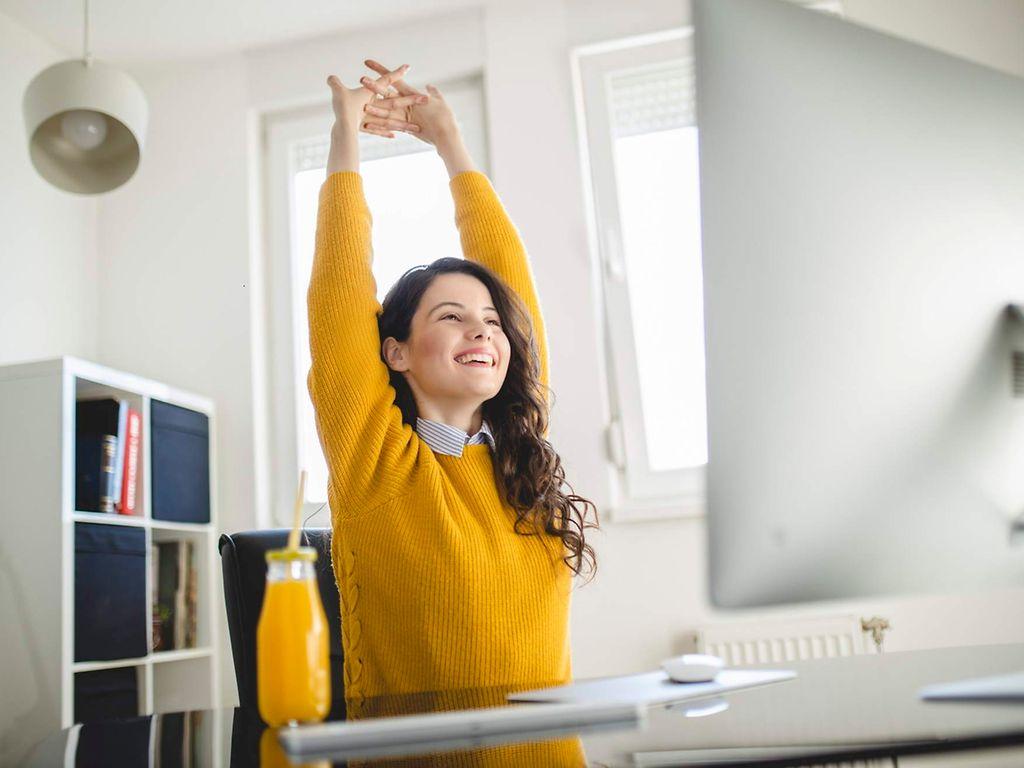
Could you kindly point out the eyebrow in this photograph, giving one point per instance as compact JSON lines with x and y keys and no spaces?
{"x":453,"y":304}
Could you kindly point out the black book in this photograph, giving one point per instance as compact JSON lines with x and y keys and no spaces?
{"x":97,"y":417}
{"x":97,"y":424}
{"x":88,"y":469}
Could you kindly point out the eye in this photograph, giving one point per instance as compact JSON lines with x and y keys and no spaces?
{"x":497,"y":323}
{"x":450,"y":315}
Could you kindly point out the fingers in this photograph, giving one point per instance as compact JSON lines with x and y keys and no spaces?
{"x":336,"y":85}
{"x":403,"y":87}
{"x":390,"y":118}
{"x":376,"y":66}
{"x":380,"y":110}
{"x":381,"y":84}
{"x":400,"y":101}
{"x":392,"y":123}
{"x":368,"y":128}
{"x":394,"y":75}
{"x":395,"y":114}
{"x":374,"y":85}
{"x":386,"y":85}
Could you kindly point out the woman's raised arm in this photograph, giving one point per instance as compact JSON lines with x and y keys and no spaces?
{"x":489,"y":237}
{"x":368,"y":449}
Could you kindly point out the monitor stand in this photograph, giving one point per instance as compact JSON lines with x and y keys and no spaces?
{"x":1000,"y":688}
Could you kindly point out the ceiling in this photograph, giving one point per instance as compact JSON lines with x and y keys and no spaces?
{"x":164,"y":29}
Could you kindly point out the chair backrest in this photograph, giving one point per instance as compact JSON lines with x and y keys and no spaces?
{"x":242,"y":557}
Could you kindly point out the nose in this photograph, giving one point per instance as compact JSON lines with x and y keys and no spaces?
{"x":480,"y":330}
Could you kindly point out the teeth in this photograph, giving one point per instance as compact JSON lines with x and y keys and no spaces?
{"x":478,"y":358}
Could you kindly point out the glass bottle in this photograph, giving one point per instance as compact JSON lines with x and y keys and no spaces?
{"x":292,"y":647}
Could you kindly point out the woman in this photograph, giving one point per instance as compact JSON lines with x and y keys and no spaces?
{"x":454,"y":544}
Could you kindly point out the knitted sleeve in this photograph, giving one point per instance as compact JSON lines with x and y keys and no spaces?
{"x":370,"y":452}
{"x":490,"y":238}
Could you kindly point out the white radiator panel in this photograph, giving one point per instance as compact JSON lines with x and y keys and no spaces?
{"x":774,"y":641}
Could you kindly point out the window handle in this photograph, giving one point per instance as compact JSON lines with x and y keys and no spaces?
{"x":614,"y":265}
{"x":615,"y":443}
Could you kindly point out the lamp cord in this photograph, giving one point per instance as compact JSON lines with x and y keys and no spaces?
{"x":87,"y":54}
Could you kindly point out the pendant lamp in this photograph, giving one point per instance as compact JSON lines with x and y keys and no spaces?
{"x":86,"y":123}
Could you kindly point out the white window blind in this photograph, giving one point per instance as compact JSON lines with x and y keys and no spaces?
{"x":657,"y":98}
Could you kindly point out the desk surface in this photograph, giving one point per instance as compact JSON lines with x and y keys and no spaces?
{"x":851,"y":708}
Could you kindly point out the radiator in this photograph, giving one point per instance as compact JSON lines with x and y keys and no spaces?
{"x":767,"y":642}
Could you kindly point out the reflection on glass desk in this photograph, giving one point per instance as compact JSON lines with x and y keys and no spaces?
{"x":845,"y":709}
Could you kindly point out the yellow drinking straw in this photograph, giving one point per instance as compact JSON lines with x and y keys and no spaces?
{"x":293,"y":537}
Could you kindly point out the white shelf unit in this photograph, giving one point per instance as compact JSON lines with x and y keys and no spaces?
{"x":37,"y":551}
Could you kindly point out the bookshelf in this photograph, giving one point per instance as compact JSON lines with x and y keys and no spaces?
{"x":38,"y":557}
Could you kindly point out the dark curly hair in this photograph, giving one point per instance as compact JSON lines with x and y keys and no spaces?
{"x":529,"y":472}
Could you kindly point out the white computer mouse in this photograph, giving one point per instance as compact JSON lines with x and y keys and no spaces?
{"x":693,"y":667}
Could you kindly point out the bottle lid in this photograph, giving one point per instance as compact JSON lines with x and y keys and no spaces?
{"x":307,"y":554}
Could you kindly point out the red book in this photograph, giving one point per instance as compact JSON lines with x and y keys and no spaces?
{"x":131,"y":463}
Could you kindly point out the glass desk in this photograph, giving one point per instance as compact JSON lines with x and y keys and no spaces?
{"x":836,"y":710}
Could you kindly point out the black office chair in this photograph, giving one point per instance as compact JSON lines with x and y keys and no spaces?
{"x":242,"y":557}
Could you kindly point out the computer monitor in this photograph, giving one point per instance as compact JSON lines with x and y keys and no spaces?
{"x":862,"y":203}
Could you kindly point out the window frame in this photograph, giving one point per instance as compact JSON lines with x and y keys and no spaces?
{"x":284,"y":301}
{"x":642,"y":492}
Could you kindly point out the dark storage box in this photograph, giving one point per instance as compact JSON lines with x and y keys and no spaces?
{"x":180,"y":445}
{"x":106,"y":694}
{"x":115,"y":743}
{"x":110,"y":592}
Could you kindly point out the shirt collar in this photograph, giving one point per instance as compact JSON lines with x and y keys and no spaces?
{"x":448,"y":440}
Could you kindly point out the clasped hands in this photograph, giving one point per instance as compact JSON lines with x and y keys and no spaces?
{"x":388,"y":103}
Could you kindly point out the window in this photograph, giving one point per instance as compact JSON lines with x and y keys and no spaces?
{"x":636,"y":110}
{"x":406,"y":188}
{"x":639,"y":139}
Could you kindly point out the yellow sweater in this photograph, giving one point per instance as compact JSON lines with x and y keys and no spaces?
{"x":437,"y":590}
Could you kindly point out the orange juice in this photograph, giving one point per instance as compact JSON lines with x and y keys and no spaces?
{"x":273,"y":756}
{"x":292,"y":649}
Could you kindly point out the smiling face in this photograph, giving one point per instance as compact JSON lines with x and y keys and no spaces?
{"x":457,"y":352}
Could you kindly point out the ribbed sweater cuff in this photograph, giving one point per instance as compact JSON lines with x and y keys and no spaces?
{"x":343,"y":182}
{"x":467,"y":181}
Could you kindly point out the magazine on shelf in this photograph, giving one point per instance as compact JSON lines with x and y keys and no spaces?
{"x":180,"y":614}
{"x":154,"y":588}
{"x":191,"y":596}
{"x":177,"y":590}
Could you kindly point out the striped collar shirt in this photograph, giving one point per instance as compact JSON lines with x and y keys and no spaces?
{"x":449,"y":440}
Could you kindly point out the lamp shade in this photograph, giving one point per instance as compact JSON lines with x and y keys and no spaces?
{"x":86,"y":125}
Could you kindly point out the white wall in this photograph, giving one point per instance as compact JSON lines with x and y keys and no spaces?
{"x":178,"y":251}
{"x":174,"y":249}
{"x":48,"y":242}
{"x":989,"y":32}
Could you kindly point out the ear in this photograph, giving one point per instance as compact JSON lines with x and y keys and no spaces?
{"x":395,"y":353}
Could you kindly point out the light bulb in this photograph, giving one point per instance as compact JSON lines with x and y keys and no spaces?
{"x":84,"y":128}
